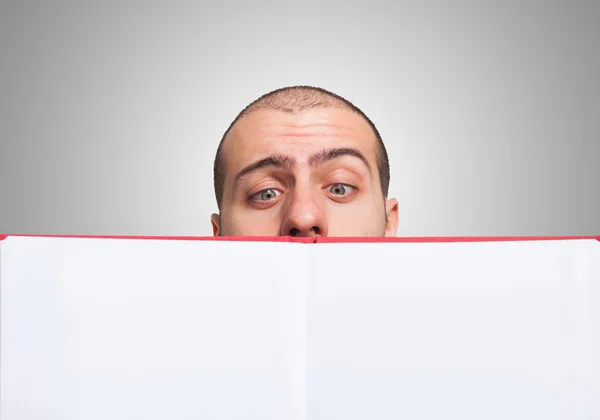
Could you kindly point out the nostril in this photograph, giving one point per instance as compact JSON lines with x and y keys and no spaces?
{"x":316,"y":230}
{"x":294,"y":232}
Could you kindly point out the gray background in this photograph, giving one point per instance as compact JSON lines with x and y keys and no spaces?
{"x":110,"y":112}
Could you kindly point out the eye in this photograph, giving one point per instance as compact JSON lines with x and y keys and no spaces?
{"x":266,"y":195}
{"x":340,"y":189}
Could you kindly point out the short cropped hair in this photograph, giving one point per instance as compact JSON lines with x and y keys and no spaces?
{"x":295,"y":99}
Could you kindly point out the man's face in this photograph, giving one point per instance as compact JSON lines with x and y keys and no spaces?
{"x":309,"y":174}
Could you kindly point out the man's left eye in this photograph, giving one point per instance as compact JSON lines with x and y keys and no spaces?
{"x":340,"y":189}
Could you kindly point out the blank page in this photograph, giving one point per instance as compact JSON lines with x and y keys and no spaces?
{"x":470,"y":331}
{"x":150,"y":329}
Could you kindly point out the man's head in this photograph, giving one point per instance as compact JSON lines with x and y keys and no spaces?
{"x":302,"y":161}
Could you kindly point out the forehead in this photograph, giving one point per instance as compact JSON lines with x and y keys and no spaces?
{"x":266,"y":132}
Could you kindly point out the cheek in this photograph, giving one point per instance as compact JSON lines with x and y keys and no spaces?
{"x":363,"y":208}
{"x":361,"y":218}
{"x":252,"y":223}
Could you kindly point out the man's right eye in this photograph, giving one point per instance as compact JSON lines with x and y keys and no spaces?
{"x":266,"y":195}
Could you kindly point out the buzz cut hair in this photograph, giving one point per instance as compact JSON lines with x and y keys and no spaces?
{"x":294,"y":100}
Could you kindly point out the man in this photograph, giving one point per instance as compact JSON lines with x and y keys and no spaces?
{"x":302,"y":161}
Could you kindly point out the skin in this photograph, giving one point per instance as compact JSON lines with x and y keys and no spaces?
{"x":301,"y":189}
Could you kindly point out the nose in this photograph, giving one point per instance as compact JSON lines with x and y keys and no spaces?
{"x":304,"y":217}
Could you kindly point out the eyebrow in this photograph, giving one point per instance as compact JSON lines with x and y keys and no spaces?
{"x":276,"y":161}
{"x":331,"y":154}
{"x":288,"y":162}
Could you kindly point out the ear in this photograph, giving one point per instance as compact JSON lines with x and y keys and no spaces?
{"x":216,"y":224}
{"x":391,"y":210}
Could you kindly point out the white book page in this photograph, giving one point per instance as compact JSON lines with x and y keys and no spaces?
{"x":470,"y":331}
{"x":152,"y":329}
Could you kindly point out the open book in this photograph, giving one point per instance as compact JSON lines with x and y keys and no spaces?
{"x":192,"y":328}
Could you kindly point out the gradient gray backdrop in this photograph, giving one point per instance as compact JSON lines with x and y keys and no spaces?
{"x":110,"y":112}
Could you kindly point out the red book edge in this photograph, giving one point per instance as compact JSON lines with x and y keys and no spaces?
{"x":321,"y":239}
